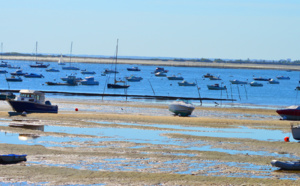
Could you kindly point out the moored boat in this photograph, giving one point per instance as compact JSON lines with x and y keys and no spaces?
{"x":133,"y":69}
{"x":181,"y":107}
{"x":33,"y":75}
{"x":290,"y":113}
{"x":256,"y":84}
{"x":133,"y":78}
{"x":18,"y":72}
{"x":216,"y":87}
{"x":52,"y":70}
{"x":31,"y":101}
{"x":283,"y":77}
{"x":39,"y":65}
{"x":3,"y":72}
{"x":87,"y":72}
{"x":272,"y":81}
{"x":215,"y":78}
{"x":160,"y":69}
{"x":185,"y":83}
{"x":174,"y":77}
{"x":208,"y":75}
{"x":14,"y":79}
{"x":261,"y":79}
{"x":238,"y":82}
{"x":89,"y":81}
{"x":160,"y":74}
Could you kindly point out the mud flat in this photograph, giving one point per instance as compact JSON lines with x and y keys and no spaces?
{"x":75,"y":147}
{"x":156,"y":62}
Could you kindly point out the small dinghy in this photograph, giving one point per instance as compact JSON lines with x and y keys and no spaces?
{"x":286,"y":165}
{"x":12,"y":158}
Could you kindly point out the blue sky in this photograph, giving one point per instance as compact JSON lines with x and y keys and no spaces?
{"x":227,"y":29}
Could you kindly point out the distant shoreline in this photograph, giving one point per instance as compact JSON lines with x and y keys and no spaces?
{"x":156,"y":62}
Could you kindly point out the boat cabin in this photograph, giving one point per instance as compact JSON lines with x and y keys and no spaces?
{"x":32,"y":96}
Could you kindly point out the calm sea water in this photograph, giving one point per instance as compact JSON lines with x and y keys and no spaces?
{"x":274,"y":95}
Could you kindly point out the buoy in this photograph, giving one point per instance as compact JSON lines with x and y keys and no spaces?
{"x":76,"y":109}
{"x":287,"y":139}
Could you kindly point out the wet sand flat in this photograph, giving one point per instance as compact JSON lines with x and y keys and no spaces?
{"x":123,"y":162}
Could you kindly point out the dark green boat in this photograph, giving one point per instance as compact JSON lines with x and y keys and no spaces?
{"x":7,"y":95}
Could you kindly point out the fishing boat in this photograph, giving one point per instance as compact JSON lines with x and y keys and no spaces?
{"x":174,"y":77}
{"x":87,"y":72}
{"x":18,"y":72}
{"x":272,"y":81}
{"x":7,"y":95}
{"x":185,"y":83}
{"x":290,"y":113}
{"x":70,"y":81}
{"x":181,"y":107}
{"x":14,"y":79}
{"x":89,"y":81}
{"x":261,"y":79}
{"x":33,"y":75}
{"x":215,"y":78}
{"x":12,"y":158}
{"x":238,"y":82}
{"x":70,"y":67}
{"x":61,"y":61}
{"x":286,"y":165}
{"x":208,"y":75}
{"x":133,"y":69}
{"x":115,"y":85}
{"x":52,"y":70}
{"x":133,"y":78}
{"x":256,"y":84}
{"x":32,"y":101}
{"x":216,"y":87}
{"x":283,"y":77}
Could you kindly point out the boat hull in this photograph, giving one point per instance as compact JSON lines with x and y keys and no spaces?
{"x":181,"y":110}
{"x":289,"y":114}
{"x":12,"y":158}
{"x":32,"y":107}
{"x":295,"y":132}
{"x":117,"y":86}
{"x":286,"y":165}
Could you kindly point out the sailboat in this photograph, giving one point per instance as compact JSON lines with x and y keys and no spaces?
{"x":70,"y":67}
{"x":115,"y":85}
{"x":38,"y":64}
{"x":60,"y":61}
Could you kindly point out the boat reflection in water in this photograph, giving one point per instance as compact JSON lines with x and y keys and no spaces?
{"x":27,"y":124}
{"x":25,"y":137}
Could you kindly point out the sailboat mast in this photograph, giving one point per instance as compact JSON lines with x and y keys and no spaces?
{"x":116,"y":60}
{"x":36,"y":45}
{"x":1,"y":50}
{"x":71,"y":52}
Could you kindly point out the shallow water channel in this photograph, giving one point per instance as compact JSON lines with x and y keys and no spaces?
{"x":152,"y":134}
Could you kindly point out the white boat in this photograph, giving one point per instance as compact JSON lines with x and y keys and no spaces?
{"x":160,"y":69}
{"x":216,"y":87}
{"x":215,"y":78}
{"x":295,"y":132}
{"x":181,"y":107}
{"x":61,"y":61}
{"x":160,"y":74}
{"x":283,"y":77}
{"x":238,"y":82}
{"x":272,"y":81}
{"x":70,"y":67}
{"x":185,"y":83}
{"x":174,"y":77}
{"x":89,"y":81}
{"x":256,"y":84}
{"x":286,"y":165}
{"x":133,"y":78}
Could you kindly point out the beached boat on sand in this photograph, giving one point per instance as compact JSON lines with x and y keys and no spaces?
{"x":12,"y":158}
{"x":290,"y":113}
{"x":181,"y":107}
{"x":286,"y":165}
